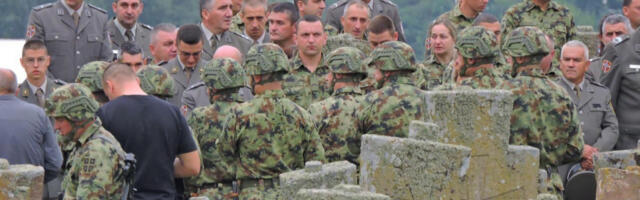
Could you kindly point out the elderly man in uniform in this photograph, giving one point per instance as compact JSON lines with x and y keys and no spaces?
{"x":35,"y":61}
{"x":126,"y":28}
{"x":185,"y":69}
{"x":376,"y":7}
{"x":74,"y":32}
{"x":254,"y":16}
{"x":282,"y":26}
{"x":216,"y":20}
{"x":465,"y":12}
{"x":593,"y":102}
{"x":163,"y":43}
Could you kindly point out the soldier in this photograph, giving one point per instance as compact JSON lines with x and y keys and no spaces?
{"x":491,"y":23}
{"x":156,"y":81}
{"x":223,"y":77}
{"x":216,"y":20}
{"x":631,"y":10}
{"x":314,"y":7}
{"x":131,"y":55}
{"x":163,"y":43}
{"x":237,"y":24}
{"x":306,"y":81}
{"x":37,"y":86}
{"x":94,"y":169}
{"x":464,"y":13}
{"x":613,"y":29}
{"x":254,"y":16}
{"x":126,"y":28}
{"x":282,"y":21}
{"x":436,"y":69}
{"x":336,"y":116}
{"x":270,"y":134}
{"x":185,"y":69}
{"x":543,"y":115}
{"x":377,"y":7}
{"x":389,"y":110}
{"x":381,"y":30}
{"x":76,"y":31}
{"x":90,"y":76}
{"x":478,"y":54}
{"x":356,"y":19}
{"x":593,"y":102}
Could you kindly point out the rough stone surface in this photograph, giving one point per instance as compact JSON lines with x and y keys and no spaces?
{"x":547,"y":197}
{"x":479,"y":119}
{"x":616,"y":159}
{"x":21,"y":181}
{"x":618,"y":183}
{"x":587,"y":35}
{"x":340,"y":192}
{"x":199,"y":198}
{"x":542,"y":183}
{"x":317,"y":176}
{"x":405,"y":168}
{"x":425,"y":131}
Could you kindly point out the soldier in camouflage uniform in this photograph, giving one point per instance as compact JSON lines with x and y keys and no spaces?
{"x":90,"y":75}
{"x":464,"y":13}
{"x":336,"y":116}
{"x":94,"y":169}
{"x":437,"y":69}
{"x":346,"y":39}
{"x":223,"y":78}
{"x":390,"y":109}
{"x":270,"y":134}
{"x":478,"y":54}
{"x":543,"y":114}
{"x":156,"y":81}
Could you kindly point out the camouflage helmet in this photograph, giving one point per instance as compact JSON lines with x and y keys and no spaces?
{"x":156,"y":80}
{"x":90,"y":75}
{"x":72,"y":101}
{"x":345,"y":39}
{"x":265,"y":58}
{"x":477,"y":42}
{"x":393,"y":56}
{"x":347,"y":60}
{"x":526,"y":41}
{"x":223,"y":73}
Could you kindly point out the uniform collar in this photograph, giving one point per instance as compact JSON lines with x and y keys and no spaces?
{"x":35,"y":88}
{"x":530,"y":5}
{"x":208,"y":34}
{"x":91,"y":130}
{"x":572,"y":85}
{"x":259,"y":40}
{"x":298,"y":65}
{"x":122,"y":29}
{"x":70,"y":10}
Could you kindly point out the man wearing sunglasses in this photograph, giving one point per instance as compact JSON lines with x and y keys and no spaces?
{"x":185,"y":68}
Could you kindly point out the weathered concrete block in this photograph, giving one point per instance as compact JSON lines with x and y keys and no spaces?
{"x":406,"y":168}
{"x":340,"y":192}
{"x":21,"y":181}
{"x":618,"y":183}
{"x":199,"y":198}
{"x":588,"y":36}
{"x":616,"y":159}
{"x":425,"y":131}
{"x":542,"y":183}
{"x":547,"y":197}
{"x":523,"y":164}
{"x":317,"y":176}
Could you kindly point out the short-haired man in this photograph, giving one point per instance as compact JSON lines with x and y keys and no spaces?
{"x":132,"y":56}
{"x":381,"y":30}
{"x":464,"y":13}
{"x":478,"y":52}
{"x":163,"y":43}
{"x":306,"y":81}
{"x":125,"y":26}
{"x":631,"y":9}
{"x":150,"y":128}
{"x":356,"y":19}
{"x":35,"y":61}
{"x":254,"y":17}
{"x":378,"y":7}
{"x":314,"y":7}
{"x":615,"y":29}
{"x":489,"y":22}
{"x":27,"y":134}
{"x":282,"y":26}
{"x":593,"y":102}
{"x":216,"y":19}
{"x":185,"y":69}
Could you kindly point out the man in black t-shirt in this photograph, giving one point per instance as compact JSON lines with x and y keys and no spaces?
{"x":153,"y":130}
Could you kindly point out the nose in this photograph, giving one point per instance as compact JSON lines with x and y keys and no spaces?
{"x":323,"y":5}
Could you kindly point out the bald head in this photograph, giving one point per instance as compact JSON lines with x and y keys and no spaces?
{"x":227,"y":51}
{"x":8,"y":82}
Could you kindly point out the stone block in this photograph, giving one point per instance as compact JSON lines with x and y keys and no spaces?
{"x":618,"y":183}
{"x":523,"y":164}
{"x":199,"y":198}
{"x":547,"y":197}
{"x":588,"y":36}
{"x":405,"y":168}
{"x":340,"y":192}
{"x":425,"y":131}
{"x":317,"y":176}
{"x":21,"y":181}
{"x":616,"y":159}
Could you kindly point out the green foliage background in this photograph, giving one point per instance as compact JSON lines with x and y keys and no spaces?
{"x":416,"y":14}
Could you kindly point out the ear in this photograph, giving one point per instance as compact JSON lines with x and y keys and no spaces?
{"x":395,"y":36}
{"x":47,"y":62}
{"x":114,"y":5}
{"x":22,"y":63}
{"x":342,"y":20}
{"x":625,"y":11}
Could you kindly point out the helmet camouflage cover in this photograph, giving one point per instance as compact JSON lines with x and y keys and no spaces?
{"x":266,"y":58}
{"x":347,"y":60}
{"x":72,"y":101}
{"x":346,"y":39}
{"x":156,"y":80}
{"x":477,"y":42}
{"x":393,"y":56}
{"x":526,"y":41}
{"x":223,"y":73}
{"x":90,"y":75}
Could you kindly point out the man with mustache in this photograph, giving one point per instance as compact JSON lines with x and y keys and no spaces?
{"x":126,"y":28}
{"x":254,"y":17}
{"x":216,"y":20}
{"x":38,"y":86}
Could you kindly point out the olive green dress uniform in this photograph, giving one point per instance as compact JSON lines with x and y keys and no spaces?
{"x":237,"y":40}
{"x":181,"y":83}
{"x":70,"y":46}
{"x":142,"y":37}
{"x":380,"y":7}
{"x":26,"y":94}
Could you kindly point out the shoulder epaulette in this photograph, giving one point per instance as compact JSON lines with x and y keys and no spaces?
{"x":59,"y":82}
{"x":595,"y":59}
{"x":146,"y":26}
{"x":339,"y":3}
{"x":98,"y":8}
{"x":43,"y":6}
{"x":619,"y":40}
{"x":242,"y":36}
{"x":197,"y":85}
{"x":389,"y":2}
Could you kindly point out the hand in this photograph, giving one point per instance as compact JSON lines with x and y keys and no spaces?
{"x":587,"y":164}
{"x":588,"y":151}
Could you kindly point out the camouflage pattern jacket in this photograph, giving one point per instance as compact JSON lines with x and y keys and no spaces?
{"x":94,"y":169}
{"x":456,"y":17}
{"x":304,"y":87}
{"x":432,"y":73}
{"x":484,"y":78}
{"x":389,"y":110}
{"x":336,"y":120}
{"x":268,"y":136}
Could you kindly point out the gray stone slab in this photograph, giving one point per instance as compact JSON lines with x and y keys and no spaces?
{"x":21,"y":181}
{"x":340,"y":192}
{"x":317,"y":176}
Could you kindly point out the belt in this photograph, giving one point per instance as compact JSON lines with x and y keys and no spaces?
{"x":263,"y":183}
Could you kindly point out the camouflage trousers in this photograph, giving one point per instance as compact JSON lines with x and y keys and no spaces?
{"x":215,"y":193}
{"x":260,"y":189}
{"x":554,"y":185}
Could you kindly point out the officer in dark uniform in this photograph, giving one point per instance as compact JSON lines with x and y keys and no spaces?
{"x":215,"y":26}
{"x":126,"y":28}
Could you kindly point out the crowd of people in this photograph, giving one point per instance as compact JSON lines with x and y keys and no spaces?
{"x":114,"y":108}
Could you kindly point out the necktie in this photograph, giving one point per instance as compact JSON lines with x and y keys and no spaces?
{"x":40,"y":96}
{"x":214,"y":42}
{"x":76,"y":18}
{"x":129,"y":35}
{"x":577,"y":90}
{"x":188,"y":72}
